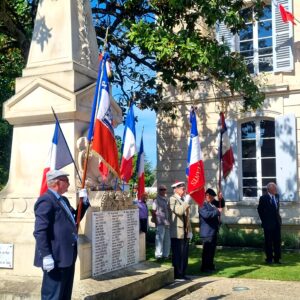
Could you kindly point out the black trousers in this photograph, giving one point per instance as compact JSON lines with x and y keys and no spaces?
{"x":208,"y":253}
{"x":144,"y":225}
{"x":180,"y":255}
{"x":273,"y":244}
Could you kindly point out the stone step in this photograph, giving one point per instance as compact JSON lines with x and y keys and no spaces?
{"x":127,"y":284}
{"x":176,"y":290}
{"x":130,"y":283}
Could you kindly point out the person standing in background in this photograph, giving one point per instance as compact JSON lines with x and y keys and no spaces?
{"x":209,"y":216}
{"x":161,"y":217}
{"x":143,"y":213}
{"x":268,"y":210}
{"x":179,"y":230}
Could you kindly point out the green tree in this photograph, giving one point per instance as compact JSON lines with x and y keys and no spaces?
{"x":143,"y":42}
{"x":15,"y":32}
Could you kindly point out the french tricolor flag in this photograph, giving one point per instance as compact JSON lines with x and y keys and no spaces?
{"x":225,"y":150}
{"x":59,"y":155}
{"x":140,"y":165}
{"x":128,"y":146}
{"x":195,"y":166}
{"x":101,"y":130}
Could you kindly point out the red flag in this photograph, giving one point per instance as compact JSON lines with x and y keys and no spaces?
{"x":225,"y":150}
{"x":104,"y":171}
{"x":286,"y":15}
{"x":195,"y":168}
{"x":59,"y":155}
{"x":140,"y":171}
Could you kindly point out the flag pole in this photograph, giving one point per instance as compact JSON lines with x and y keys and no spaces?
{"x":137,"y":167}
{"x":220,"y":160}
{"x":79,"y":209}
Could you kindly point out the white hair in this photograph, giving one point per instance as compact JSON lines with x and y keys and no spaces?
{"x":271,"y":184}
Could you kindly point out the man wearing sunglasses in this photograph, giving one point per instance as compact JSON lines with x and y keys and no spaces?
{"x":56,"y":237}
{"x":161,"y":218}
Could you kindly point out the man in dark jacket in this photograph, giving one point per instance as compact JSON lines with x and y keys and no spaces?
{"x":56,"y":237}
{"x":268,"y":210}
{"x":209,"y":215}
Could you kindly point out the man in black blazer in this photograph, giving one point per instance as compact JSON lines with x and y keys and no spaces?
{"x":268,"y":210}
{"x":56,"y":237}
{"x":209,"y":215}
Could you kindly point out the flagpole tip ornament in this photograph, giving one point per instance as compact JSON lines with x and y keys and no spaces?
{"x":53,"y":174}
{"x":178,"y":184}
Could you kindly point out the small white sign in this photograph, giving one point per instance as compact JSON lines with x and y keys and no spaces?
{"x":6,"y":256}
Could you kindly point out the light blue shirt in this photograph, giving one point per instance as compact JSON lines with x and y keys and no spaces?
{"x":64,"y":204}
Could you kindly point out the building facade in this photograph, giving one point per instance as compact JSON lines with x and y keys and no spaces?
{"x":265,"y":142}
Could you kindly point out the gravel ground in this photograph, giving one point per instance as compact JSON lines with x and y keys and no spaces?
{"x":246,"y":289}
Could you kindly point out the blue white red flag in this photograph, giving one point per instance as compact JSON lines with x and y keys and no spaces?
{"x":101,"y":130}
{"x":59,"y":155}
{"x":140,"y":165}
{"x":195,"y":166}
{"x":128,"y":146}
{"x":225,"y":150}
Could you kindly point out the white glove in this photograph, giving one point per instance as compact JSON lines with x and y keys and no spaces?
{"x":83,"y":194}
{"x":48,"y":263}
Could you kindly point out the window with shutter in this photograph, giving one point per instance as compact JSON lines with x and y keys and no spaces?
{"x":267,"y":152}
{"x":266,"y":44}
{"x":283,"y":39}
{"x":258,"y":159}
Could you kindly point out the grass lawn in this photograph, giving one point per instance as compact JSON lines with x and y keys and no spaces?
{"x":242,"y":263}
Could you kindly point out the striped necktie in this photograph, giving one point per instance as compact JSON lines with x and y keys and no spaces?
{"x":274,"y":201}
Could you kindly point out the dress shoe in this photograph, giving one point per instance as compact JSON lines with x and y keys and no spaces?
{"x":277,"y":262}
{"x":209,"y":271}
{"x":268,"y":262}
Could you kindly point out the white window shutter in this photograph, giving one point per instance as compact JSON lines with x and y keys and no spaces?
{"x":230,"y":186}
{"x":286,"y":157}
{"x":282,"y":39}
{"x":225,"y":36}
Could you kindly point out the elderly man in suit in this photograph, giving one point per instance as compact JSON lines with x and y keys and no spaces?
{"x":56,"y":237}
{"x":209,"y":216}
{"x":179,"y":230}
{"x":268,"y":210}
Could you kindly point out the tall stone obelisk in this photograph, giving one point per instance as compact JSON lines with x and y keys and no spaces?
{"x":61,"y":72}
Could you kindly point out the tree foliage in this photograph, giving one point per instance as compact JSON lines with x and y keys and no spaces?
{"x":176,"y":39}
{"x":173,"y":38}
{"x":15,"y":34}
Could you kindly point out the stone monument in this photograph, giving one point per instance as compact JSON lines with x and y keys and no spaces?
{"x":61,"y":72}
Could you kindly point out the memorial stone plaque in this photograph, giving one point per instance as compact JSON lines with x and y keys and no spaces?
{"x":6,"y":256}
{"x":115,"y":240}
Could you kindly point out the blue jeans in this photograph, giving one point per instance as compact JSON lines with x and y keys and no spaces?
{"x":162,"y":241}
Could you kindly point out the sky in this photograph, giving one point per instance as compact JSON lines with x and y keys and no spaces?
{"x":146,"y":118}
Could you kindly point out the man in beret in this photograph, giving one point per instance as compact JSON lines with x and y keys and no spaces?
{"x":209,"y":216}
{"x":179,"y":230}
{"x":56,"y":237}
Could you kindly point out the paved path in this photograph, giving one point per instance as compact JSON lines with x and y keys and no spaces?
{"x":245,"y":289}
